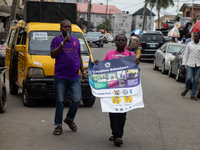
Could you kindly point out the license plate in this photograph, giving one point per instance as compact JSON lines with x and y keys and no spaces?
{"x":152,"y":45}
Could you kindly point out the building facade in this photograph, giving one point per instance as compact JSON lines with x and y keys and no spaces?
{"x":137,"y":19}
{"x":186,"y":8}
{"x":164,"y":19}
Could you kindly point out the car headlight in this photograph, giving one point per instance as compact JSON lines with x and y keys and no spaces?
{"x":35,"y":73}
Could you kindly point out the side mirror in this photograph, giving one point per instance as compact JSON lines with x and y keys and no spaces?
{"x":174,"y":54}
{"x":2,"y":41}
{"x":20,"y":48}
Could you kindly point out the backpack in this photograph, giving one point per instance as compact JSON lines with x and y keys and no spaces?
{"x":134,"y":43}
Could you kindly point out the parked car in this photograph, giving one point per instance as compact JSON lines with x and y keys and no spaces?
{"x":95,"y":38}
{"x":165,"y":54}
{"x":149,"y":43}
{"x":167,"y":39}
{"x":105,"y":40}
{"x":176,"y":66}
{"x":110,"y":38}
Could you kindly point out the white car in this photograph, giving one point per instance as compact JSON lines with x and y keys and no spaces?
{"x":110,"y":38}
{"x":165,"y":54}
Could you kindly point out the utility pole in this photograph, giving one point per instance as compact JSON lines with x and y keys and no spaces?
{"x":144,"y":16}
{"x":105,"y":24}
{"x":89,"y":15}
{"x":12,"y":13}
{"x":192,"y":15}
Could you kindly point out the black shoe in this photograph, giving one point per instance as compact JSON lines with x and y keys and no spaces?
{"x":118,"y":142}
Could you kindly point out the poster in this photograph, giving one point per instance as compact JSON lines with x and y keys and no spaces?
{"x":117,"y":82}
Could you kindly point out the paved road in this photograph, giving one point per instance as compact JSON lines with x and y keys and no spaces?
{"x":168,"y":121}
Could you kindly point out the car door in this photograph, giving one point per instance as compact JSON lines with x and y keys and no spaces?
{"x":179,"y":59}
{"x":9,"y":47}
{"x":161,"y":54}
{"x":21,"y":59}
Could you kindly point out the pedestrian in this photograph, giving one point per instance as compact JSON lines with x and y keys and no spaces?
{"x":66,"y":50}
{"x":133,"y":43}
{"x":188,"y":39}
{"x":183,"y":40}
{"x":117,"y":120}
{"x":174,"y":40}
{"x":191,"y":59}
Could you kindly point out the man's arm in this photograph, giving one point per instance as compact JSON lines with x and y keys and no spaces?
{"x":129,"y":43}
{"x":184,"y":61}
{"x":82,"y":69}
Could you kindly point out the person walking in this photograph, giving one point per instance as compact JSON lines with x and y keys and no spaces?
{"x":66,"y":51}
{"x":117,"y":120}
{"x":191,"y":59}
{"x":188,"y":39}
{"x":133,"y":43}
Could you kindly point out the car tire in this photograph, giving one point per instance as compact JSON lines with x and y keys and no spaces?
{"x":178,"y":78}
{"x":163,"y":68}
{"x":3,"y":98}
{"x":170,"y":72}
{"x":154,"y":65}
{"x":89,"y":102}
{"x":13,"y":87}
{"x":102,"y":45}
{"x":99,"y":45}
{"x":27,"y":101}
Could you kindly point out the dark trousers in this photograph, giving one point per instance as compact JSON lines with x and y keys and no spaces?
{"x":117,"y":122}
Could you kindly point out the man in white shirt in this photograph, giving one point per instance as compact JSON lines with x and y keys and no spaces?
{"x":191,"y":59}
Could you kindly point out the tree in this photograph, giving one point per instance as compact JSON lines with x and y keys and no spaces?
{"x":108,"y":25}
{"x":159,"y":5}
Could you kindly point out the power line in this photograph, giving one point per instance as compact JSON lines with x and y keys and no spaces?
{"x":133,"y":5}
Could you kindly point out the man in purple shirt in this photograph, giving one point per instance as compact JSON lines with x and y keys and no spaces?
{"x":66,"y":51}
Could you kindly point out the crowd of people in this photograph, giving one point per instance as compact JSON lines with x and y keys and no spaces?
{"x":67,"y":79}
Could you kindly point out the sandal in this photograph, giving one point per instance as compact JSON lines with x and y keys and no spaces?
{"x":71,"y":124}
{"x":184,"y":92}
{"x":193,"y":98}
{"x":58,"y":130}
{"x":111,"y":138}
{"x":118,"y":142}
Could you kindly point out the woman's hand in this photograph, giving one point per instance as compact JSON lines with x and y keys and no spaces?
{"x":96,"y":62}
{"x":136,"y":60}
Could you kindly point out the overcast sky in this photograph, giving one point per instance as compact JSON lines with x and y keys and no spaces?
{"x":134,"y":5}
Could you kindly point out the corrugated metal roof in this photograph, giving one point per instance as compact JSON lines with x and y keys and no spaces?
{"x":98,"y":9}
{"x":4,"y":14}
{"x":189,"y":5}
{"x":140,"y":12}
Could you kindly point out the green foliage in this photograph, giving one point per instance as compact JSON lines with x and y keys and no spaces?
{"x":159,"y":4}
{"x":108,"y":25}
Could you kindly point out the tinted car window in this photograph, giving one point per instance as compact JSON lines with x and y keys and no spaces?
{"x":174,"y":48}
{"x":40,"y":41}
{"x":152,"y":37}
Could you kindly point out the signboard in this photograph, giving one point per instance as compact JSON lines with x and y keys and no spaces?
{"x":184,"y":21}
{"x":117,"y":82}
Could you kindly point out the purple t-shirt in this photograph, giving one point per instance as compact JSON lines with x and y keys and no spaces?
{"x":67,"y":63}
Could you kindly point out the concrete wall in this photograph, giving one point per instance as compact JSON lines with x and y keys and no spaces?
{"x":137,"y":22}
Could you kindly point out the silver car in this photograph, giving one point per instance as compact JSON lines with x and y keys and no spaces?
{"x":165,"y":54}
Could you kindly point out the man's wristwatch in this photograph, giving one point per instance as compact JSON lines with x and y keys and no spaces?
{"x":62,"y":43}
